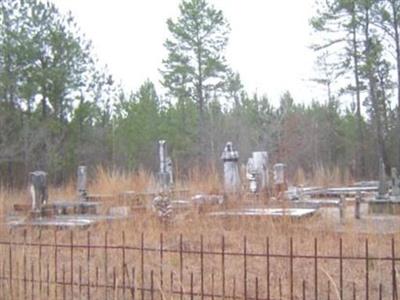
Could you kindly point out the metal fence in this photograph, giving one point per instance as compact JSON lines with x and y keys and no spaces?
{"x":95,"y":266}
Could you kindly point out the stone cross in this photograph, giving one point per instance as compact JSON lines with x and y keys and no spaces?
{"x":230,"y":159}
{"x":38,"y":189}
{"x":395,"y":183}
{"x":82,"y":183}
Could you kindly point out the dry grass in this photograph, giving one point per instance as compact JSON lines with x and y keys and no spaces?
{"x":191,"y":225}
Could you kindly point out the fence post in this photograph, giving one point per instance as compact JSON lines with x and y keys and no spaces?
{"x":366,"y":271}
{"x":25,"y":293}
{"x":394,"y":281}
{"x":256,"y":288}
{"x":55,"y":263}
{"x":123,"y":264}
{"x":223,"y":266}
{"x":106,"y":263}
{"x":181,"y":264}
{"x":63,"y":282}
{"x":268,"y":270}
{"x":234,"y":288}
{"x":142,"y":265}
{"x":161,"y":261}
{"x":48,"y":280}
{"x":291,"y":267}
{"x":171,"y":283}
{"x":152,"y":285}
{"x":202,"y":267}
{"x":88,"y":265}
{"x":134,"y":283}
{"x":316,"y":269}
{"x":72,"y":263}
{"x":191,"y":286}
{"x":341,"y":268}
{"x":40,"y":262}
{"x":245,"y":267}
{"x":212,"y":284}
{"x":10,"y":269}
{"x":80,"y":282}
{"x":32,"y":282}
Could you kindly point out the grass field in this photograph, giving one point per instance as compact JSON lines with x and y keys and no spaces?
{"x":192,"y":246}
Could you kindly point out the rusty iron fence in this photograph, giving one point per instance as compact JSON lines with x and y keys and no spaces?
{"x":50,"y":267}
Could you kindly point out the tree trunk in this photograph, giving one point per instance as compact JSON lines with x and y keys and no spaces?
{"x":360,"y":157}
{"x":397,"y":41}
{"x":381,"y":152}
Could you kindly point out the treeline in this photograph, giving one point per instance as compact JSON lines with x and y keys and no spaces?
{"x":59,"y":108}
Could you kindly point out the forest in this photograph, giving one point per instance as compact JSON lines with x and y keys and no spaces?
{"x":60,"y":107}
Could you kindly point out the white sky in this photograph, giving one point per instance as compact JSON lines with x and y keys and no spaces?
{"x":268,"y":43}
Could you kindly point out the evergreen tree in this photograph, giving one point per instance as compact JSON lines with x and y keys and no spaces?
{"x":195,"y":67}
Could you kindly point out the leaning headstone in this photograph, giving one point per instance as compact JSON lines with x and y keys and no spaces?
{"x":82,"y":183}
{"x":395,"y":183}
{"x":382,"y":189}
{"x":38,"y":189}
{"x":230,"y":159}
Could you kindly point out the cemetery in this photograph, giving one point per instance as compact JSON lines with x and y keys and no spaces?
{"x":144,"y":154}
{"x":264,"y":191}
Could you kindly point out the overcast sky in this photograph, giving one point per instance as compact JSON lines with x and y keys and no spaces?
{"x":268,"y":46}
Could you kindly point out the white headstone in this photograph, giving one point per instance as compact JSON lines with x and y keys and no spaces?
{"x":260,"y":160}
{"x":251,"y":174}
{"x":82,"y":183}
{"x":230,"y":159}
{"x":165,"y":174}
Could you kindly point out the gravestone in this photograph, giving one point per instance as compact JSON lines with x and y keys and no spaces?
{"x":279,"y":179}
{"x":395,"y":183}
{"x":382,"y":189}
{"x":82,"y":183}
{"x":165,"y":175}
{"x":38,"y":189}
{"x":251,"y":174}
{"x":260,"y":160}
{"x":230,"y":158}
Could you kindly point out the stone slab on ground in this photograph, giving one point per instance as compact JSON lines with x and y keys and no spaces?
{"x":66,"y":221}
{"x":266,"y":212}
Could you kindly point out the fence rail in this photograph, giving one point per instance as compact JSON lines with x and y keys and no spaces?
{"x":54,"y":267}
